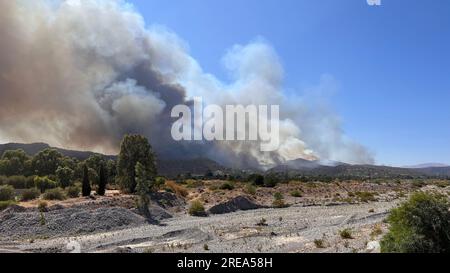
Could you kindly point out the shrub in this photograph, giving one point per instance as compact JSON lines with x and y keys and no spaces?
{"x":346,"y":233}
{"x":296,"y":193}
{"x":6,"y":193}
{"x":256,"y":179}
{"x":319,"y":243}
{"x":177,"y":189}
{"x":42,"y":206}
{"x":30,"y":194}
{"x":197,"y":209}
{"x":5,"y":204}
{"x":271,"y":181}
{"x":250,"y":189}
{"x":44,"y":183}
{"x":262,"y":222}
{"x":54,"y":194}
{"x":20,"y":182}
{"x":159,"y":182}
{"x":279,"y":200}
{"x":73,"y":191}
{"x":420,"y":225}
{"x":366,"y":197}
{"x":227,"y":186}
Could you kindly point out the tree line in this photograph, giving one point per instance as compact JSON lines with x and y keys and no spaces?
{"x":49,"y":168}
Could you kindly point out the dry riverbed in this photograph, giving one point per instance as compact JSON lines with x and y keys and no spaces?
{"x":331,"y":219}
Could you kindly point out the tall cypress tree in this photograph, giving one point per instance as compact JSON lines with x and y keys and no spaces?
{"x":103,"y":180}
{"x":86,"y":184}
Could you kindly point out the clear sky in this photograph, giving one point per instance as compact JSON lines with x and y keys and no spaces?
{"x":391,"y":63}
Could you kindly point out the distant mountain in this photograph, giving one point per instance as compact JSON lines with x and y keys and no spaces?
{"x":427,"y":165}
{"x":34,"y":148}
{"x":198,"y":166}
{"x":436,"y":171}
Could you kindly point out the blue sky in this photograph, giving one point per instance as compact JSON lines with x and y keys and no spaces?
{"x":391,"y":63}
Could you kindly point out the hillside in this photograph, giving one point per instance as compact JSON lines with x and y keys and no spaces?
{"x":170,"y":168}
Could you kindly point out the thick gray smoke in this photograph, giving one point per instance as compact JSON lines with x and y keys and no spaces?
{"x":82,"y":73}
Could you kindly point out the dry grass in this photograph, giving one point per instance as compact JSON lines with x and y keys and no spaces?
{"x":177,"y":189}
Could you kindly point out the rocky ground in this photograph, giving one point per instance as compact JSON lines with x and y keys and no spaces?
{"x":238,"y":222}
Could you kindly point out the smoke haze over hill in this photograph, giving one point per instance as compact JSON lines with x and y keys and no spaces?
{"x":80,"y":74}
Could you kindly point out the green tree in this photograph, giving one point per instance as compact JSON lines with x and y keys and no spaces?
{"x":46,"y":162}
{"x":103,"y":180}
{"x":44,"y":183}
{"x":14,"y":162}
{"x":134,"y":149}
{"x":86,"y":189}
{"x":65,"y":176}
{"x":420,"y":225}
{"x":94,"y":162}
{"x":144,"y":186}
{"x":111,"y":169}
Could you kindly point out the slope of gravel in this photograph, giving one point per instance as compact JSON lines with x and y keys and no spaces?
{"x":235,"y":204}
{"x":65,"y":222}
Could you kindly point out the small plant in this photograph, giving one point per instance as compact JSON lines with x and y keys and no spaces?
{"x":6,"y":193}
{"x":262,"y":222}
{"x":73,"y":191}
{"x":42,"y":206}
{"x":279,"y":200}
{"x":250,"y":189}
{"x":346,"y":233}
{"x":30,"y":194}
{"x":366,"y":197}
{"x":197,"y":209}
{"x":320,"y":243}
{"x":377,"y":231}
{"x":42,"y":218}
{"x":228,"y":186}
{"x":54,"y":194}
{"x":296,"y":193}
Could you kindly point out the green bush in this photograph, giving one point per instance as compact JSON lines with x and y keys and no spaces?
{"x":44,"y":183}
{"x":73,"y":191}
{"x":5,"y":204}
{"x":296,"y":193}
{"x":18,"y":181}
{"x":54,"y":194}
{"x":256,"y":179}
{"x":227,"y":186}
{"x":270,"y":181}
{"x":420,"y":225}
{"x":279,"y":200}
{"x":346,"y":233}
{"x":6,"y":193}
{"x":250,"y":189}
{"x":42,"y":206}
{"x":30,"y":194}
{"x":197,"y":209}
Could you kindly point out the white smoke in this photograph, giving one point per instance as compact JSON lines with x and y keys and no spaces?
{"x":82,"y":73}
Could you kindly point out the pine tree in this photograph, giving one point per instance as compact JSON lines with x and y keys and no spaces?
{"x":103,"y":180}
{"x":86,"y":184}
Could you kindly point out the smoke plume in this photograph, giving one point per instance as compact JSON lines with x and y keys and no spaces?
{"x":82,"y":73}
